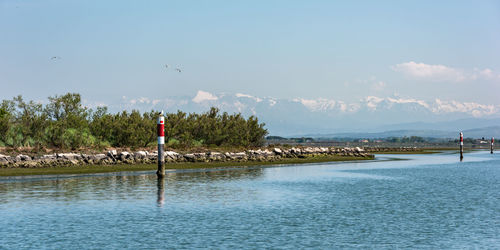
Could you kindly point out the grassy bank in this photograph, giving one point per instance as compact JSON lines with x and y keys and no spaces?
{"x":184,"y":165}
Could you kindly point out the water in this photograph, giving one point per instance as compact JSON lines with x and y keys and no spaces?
{"x":428,"y":201}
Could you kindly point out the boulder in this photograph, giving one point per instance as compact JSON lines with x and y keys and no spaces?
{"x":236,"y":156}
{"x":190,"y":157}
{"x":140,"y":154}
{"x":112,"y":153}
{"x":69,"y":156}
{"x":22,"y":157}
{"x":4,"y":160}
{"x":97,"y":158}
{"x":278,"y":151}
{"x":29,"y":164}
{"x":46,"y":157}
{"x":124,"y":155}
{"x":240,"y":155}
{"x":171,"y":155}
{"x":215,"y":156}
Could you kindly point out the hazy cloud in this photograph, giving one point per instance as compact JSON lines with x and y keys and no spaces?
{"x":475,"y":109}
{"x":239,"y":95}
{"x":430,"y":72}
{"x":485,"y":74}
{"x":377,"y":86}
{"x":444,"y":73}
{"x":203,"y":96}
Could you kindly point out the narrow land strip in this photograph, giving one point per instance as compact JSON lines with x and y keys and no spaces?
{"x":88,"y":169}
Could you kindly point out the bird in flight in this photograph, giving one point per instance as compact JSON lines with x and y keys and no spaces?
{"x":55,"y":58}
{"x":178,"y":70}
{"x":166,"y":66}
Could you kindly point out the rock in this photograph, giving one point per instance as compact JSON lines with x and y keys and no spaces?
{"x":100,"y":156}
{"x":69,"y":156}
{"x":358,"y":149}
{"x":30,"y":164}
{"x":140,"y":154}
{"x":267,"y":153}
{"x":22,"y":157}
{"x":215,"y":156}
{"x":52,"y":157}
{"x":97,"y":158}
{"x":236,"y":156}
{"x":73,"y":162}
{"x":240,"y":155}
{"x":278,"y":151}
{"x":124,"y":155}
{"x":171,"y":155}
{"x":200,"y":156}
{"x":4,"y":160}
{"x":112,"y":153}
{"x":190,"y":157}
{"x":306,"y":151}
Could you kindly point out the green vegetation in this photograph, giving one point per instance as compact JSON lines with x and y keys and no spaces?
{"x":183,"y":165}
{"x":64,"y":123}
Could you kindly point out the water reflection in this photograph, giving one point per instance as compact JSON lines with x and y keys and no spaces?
{"x":161,"y":192}
{"x":122,"y":186}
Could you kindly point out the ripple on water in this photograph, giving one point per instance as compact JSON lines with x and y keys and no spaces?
{"x":428,"y":201}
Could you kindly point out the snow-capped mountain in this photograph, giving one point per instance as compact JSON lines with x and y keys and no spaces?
{"x":295,"y":116}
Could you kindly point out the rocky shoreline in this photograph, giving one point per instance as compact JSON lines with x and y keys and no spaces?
{"x":114,"y":157}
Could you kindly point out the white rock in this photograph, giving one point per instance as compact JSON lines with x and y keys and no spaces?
{"x":278,"y":151}
{"x":140,"y":154}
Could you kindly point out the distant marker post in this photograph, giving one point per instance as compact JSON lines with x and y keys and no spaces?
{"x":461,"y":146}
{"x":492,"y":143}
{"x":160,"y":127}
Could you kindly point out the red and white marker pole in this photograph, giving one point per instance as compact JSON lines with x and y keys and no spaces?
{"x":461,"y":145}
{"x":491,"y":146}
{"x":160,"y":127}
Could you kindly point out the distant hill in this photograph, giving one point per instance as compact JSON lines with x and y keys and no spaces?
{"x":486,"y":132}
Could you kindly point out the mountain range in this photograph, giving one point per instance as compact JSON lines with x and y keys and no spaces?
{"x":368,"y":117}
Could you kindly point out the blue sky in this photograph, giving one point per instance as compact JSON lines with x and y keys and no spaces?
{"x":311,"y":50}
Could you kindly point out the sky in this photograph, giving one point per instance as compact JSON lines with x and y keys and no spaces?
{"x":111,"y":51}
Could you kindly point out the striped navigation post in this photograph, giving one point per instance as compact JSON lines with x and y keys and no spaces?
{"x":160,"y":126}
{"x":461,"y":146}
{"x":491,"y":146}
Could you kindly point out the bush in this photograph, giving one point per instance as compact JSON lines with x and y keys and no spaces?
{"x":65,"y":123}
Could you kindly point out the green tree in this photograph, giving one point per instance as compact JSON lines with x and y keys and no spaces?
{"x":68,"y":125}
{"x":6,"y":120}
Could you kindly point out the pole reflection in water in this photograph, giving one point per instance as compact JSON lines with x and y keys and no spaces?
{"x":161,"y":192}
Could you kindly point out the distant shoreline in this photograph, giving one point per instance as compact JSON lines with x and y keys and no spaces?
{"x":72,"y":163}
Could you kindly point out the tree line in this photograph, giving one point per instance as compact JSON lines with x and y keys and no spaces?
{"x":65,"y":123}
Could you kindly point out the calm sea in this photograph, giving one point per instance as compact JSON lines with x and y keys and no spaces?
{"x":425,"y":201}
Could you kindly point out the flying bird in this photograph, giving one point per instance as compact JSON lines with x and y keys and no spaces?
{"x":166,"y":66}
{"x":55,"y":57}
{"x":178,"y":70}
